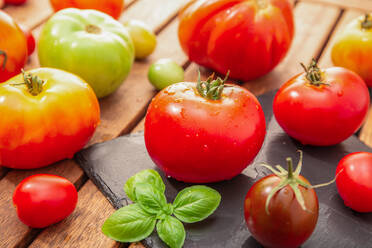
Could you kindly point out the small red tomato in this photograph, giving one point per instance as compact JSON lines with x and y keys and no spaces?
{"x":30,"y":40}
{"x":322,"y":107}
{"x":42,"y":200}
{"x":279,"y":211}
{"x":15,"y":2}
{"x":354,"y":181}
{"x":204,"y":132}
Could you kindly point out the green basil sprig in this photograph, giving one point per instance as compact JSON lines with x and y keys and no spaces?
{"x":137,"y":221}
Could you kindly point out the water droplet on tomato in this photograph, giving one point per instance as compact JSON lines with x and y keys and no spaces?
{"x":183,"y":113}
{"x":257,"y":107}
{"x":205,"y":147}
{"x":187,"y":136}
{"x":340,"y":93}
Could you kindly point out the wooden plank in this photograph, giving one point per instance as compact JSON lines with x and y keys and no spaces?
{"x":140,"y":126}
{"x":364,"y":5}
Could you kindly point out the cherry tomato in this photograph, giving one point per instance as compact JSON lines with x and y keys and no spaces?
{"x":322,"y":107}
{"x":353,"y":48}
{"x":204,"y":132}
{"x":165,"y":72}
{"x":42,"y":200}
{"x":15,"y":2}
{"x":276,"y":215}
{"x":354,"y":181}
{"x":30,"y":40}
{"x":246,"y":37}
{"x":13,"y":48}
{"x":50,"y":115}
{"x":110,"y":7}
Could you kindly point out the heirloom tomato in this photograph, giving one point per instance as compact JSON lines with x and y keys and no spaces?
{"x":89,"y":44}
{"x":110,"y":7}
{"x":353,"y":48}
{"x":204,"y":132}
{"x":322,"y":107}
{"x":281,"y":210}
{"x":42,"y":200}
{"x":48,"y":115}
{"x":354,"y":181}
{"x":13,"y":48}
{"x":246,"y":37}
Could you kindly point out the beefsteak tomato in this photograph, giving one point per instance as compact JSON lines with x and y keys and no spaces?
{"x":354,"y":181}
{"x":322,"y":107}
{"x":204,"y":132}
{"x":353,"y":48}
{"x":48,"y":115}
{"x":110,"y":7}
{"x":89,"y":44}
{"x":13,"y":48}
{"x":246,"y":37}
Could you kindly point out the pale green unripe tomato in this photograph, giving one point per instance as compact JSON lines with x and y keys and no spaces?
{"x":143,"y":38}
{"x":165,"y":72}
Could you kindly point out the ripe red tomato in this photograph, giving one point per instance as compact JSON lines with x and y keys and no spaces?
{"x":30,"y":41}
{"x":13,"y":49}
{"x":42,"y":200}
{"x":15,"y":2}
{"x":354,"y":181}
{"x":246,"y":37}
{"x":322,"y":107}
{"x":198,"y":138}
{"x":285,"y":223}
{"x":110,"y":7}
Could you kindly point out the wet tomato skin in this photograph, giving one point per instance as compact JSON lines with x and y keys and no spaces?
{"x":197,"y":140}
{"x":287,"y":225}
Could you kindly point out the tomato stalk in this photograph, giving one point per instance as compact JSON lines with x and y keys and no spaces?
{"x":262,"y":4}
{"x":34,"y":83}
{"x":93,"y":29}
{"x":211,"y":89}
{"x":5,"y":59}
{"x":367,"y":22}
{"x":314,"y":74}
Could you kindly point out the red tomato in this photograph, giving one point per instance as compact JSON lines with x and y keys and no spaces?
{"x":284,"y":223}
{"x":13,"y":49}
{"x":322,"y":107}
{"x":200,"y":139}
{"x":30,"y":41}
{"x":110,"y":7}
{"x":246,"y":37}
{"x":16,"y":2}
{"x":354,"y":181}
{"x":42,"y":200}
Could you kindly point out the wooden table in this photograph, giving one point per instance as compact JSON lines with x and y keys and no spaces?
{"x":317,"y":22}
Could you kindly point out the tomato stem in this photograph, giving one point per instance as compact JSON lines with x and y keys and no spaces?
{"x":313,"y":73}
{"x":93,"y":29}
{"x":290,"y":168}
{"x":366,"y":23}
{"x":211,"y":89}
{"x":34,"y":83}
{"x":262,"y":4}
{"x":5,"y":59}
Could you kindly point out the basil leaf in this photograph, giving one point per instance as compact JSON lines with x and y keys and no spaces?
{"x":196,"y":203}
{"x":150,"y":198}
{"x":171,"y":231}
{"x":146,"y":176}
{"x":129,"y":224}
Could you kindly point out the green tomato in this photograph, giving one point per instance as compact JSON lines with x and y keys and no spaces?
{"x":143,"y":38}
{"x":89,"y":44}
{"x":165,"y":72}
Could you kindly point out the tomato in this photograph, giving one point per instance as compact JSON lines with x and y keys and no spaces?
{"x":322,"y":107}
{"x":13,"y":48}
{"x":165,"y":72}
{"x":50,"y":115}
{"x":353,"y":48}
{"x":110,"y":7}
{"x":89,"y":44}
{"x":42,"y":200}
{"x":204,"y":132}
{"x":276,"y":215}
{"x":144,"y":39}
{"x":354,"y":181}
{"x":30,"y":41}
{"x":246,"y":37}
{"x":16,"y":2}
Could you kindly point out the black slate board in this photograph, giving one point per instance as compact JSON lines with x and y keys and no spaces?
{"x":111,"y":163}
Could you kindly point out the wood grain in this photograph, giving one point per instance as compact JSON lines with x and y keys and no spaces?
{"x":364,"y":5}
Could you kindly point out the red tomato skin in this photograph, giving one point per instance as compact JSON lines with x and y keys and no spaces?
{"x":30,"y":41}
{"x":324,"y":115}
{"x":42,"y":200}
{"x":354,"y":181}
{"x":287,"y":225}
{"x":196,"y":140}
{"x":236,"y":35}
{"x":15,"y":2}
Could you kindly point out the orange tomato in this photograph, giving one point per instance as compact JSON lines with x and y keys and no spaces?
{"x":353,"y":48}
{"x":13,"y":48}
{"x":110,"y":7}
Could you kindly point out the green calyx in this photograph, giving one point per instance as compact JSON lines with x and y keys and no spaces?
{"x":5,"y":59}
{"x":367,"y":22}
{"x":211,"y":89}
{"x":313,"y":73}
{"x":34,"y":83}
{"x":290,"y":178}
